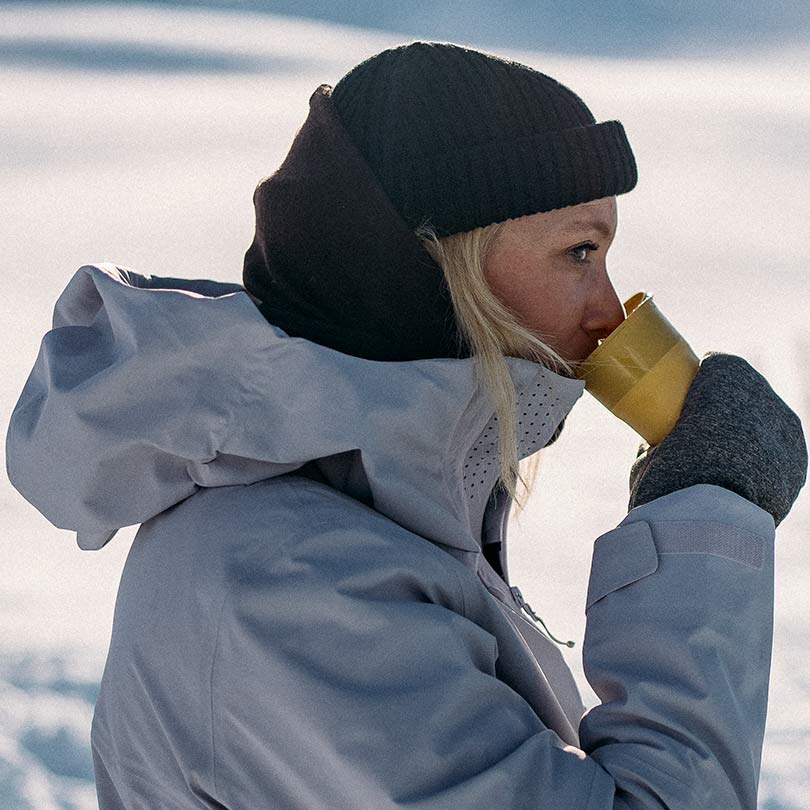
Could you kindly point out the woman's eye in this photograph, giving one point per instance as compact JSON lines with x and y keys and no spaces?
{"x":582,"y":250}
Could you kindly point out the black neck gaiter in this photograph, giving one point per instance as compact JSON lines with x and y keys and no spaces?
{"x":332,"y":260}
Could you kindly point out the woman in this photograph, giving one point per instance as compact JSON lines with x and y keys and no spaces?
{"x":316,"y":611}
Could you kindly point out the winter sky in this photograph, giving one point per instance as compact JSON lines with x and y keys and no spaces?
{"x":136,"y":134}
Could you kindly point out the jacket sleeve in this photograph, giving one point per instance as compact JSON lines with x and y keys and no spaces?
{"x":678,"y":649}
{"x":346,"y":684}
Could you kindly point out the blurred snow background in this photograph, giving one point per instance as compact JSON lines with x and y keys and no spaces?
{"x":136,"y":134}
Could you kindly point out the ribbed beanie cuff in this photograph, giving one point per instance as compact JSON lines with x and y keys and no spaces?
{"x":492,"y":182}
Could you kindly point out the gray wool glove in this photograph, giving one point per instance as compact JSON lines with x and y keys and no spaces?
{"x":733,"y":431}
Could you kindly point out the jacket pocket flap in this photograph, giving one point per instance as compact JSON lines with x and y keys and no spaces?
{"x":621,"y":556}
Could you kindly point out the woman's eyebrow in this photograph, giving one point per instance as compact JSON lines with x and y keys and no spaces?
{"x":595,"y":224}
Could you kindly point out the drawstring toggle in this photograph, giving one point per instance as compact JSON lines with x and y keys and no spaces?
{"x":528,"y":609}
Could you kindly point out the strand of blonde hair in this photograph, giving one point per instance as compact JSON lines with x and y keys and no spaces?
{"x":493,"y":332}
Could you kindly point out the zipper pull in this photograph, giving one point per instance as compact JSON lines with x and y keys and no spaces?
{"x":528,"y":608}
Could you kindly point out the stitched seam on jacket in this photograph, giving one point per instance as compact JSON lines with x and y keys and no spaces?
{"x":211,"y":688}
{"x":713,"y":554}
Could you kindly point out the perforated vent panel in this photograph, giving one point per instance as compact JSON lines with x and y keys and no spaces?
{"x":481,"y":464}
{"x":542,"y":402}
{"x":538,"y":413}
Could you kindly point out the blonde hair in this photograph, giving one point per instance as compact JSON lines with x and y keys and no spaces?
{"x":493,"y":332}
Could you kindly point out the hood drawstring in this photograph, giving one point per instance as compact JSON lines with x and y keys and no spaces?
{"x":528,"y":608}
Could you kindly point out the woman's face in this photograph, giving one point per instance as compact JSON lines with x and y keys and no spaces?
{"x":550,"y":269}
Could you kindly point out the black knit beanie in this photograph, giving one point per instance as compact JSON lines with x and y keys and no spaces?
{"x":427,"y":131}
{"x":465,"y":139}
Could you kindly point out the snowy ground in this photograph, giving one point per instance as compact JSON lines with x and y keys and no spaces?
{"x":137,"y":135}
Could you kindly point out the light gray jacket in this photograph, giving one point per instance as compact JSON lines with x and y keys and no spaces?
{"x":306,"y":619}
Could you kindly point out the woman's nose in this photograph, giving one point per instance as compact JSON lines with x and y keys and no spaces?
{"x":605,"y":313}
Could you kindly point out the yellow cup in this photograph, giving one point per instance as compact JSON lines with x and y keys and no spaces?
{"x":642,"y":370}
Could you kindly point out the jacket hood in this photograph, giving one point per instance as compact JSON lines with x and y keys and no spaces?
{"x":147,"y":388}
